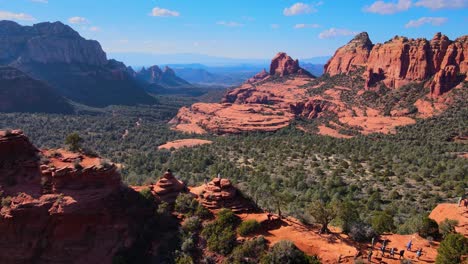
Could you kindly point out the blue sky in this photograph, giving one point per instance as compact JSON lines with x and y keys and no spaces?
{"x":242,"y":28}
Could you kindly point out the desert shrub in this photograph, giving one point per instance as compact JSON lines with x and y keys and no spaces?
{"x":451,"y":249}
{"x":249,"y":252}
{"x":248,"y":227}
{"x":428,"y":228}
{"x":362,"y":232}
{"x":184,"y":259}
{"x":447,"y":227}
{"x":382,"y":222}
{"x":220,"y":238}
{"x":188,"y":245}
{"x":77,"y":164}
{"x":6,"y":201}
{"x":227,"y":217}
{"x":186,"y":204}
{"x":73,"y":141}
{"x":191,"y":224}
{"x":285,"y":252}
{"x":202,"y":212}
{"x":146,"y":193}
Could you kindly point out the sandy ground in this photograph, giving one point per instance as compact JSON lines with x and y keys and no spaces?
{"x":326,"y":131}
{"x":184,"y":143}
{"x":382,"y":124}
{"x":453,"y":212}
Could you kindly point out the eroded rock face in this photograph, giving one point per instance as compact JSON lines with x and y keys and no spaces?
{"x":220,"y":193}
{"x":63,"y":208}
{"x":168,"y":188}
{"x":283,"y":65}
{"x":258,"y":77}
{"x":401,"y":60}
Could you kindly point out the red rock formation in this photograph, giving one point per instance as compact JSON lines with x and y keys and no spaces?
{"x":60,"y":212}
{"x":401,"y":60}
{"x":283,"y":65}
{"x":258,"y":77}
{"x":168,"y":188}
{"x":350,"y":56}
{"x":220,"y":193}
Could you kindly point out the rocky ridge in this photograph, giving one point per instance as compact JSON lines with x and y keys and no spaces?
{"x":63,"y":207}
{"x":220,"y":193}
{"x":401,"y":61}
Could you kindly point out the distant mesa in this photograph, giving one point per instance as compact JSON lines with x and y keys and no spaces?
{"x":76,"y":68}
{"x":283,"y":65}
{"x":165,"y":78}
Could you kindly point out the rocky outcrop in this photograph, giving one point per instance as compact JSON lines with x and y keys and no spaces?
{"x":64,"y":207}
{"x":401,"y":60}
{"x":75,"y":67}
{"x":258,"y":77}
{"x":167,"y":188}
{"x":220,"y":193}
{"x":283,"y":65}
{"x":21,"y":93}
{"x":163,"y":78}
{"x":351,"y":56}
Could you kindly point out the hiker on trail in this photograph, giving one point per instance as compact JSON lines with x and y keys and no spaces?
{"x":206,"y":181}
{"x":392,"y":252}
{"x":385,"y":242}
{"x":383,"y":251}
{"x":460,"y":199}
{"x":402,"y":253}
{"x":269,"y":216}
{"x":219,"y":175}
{"x":419,"y":253}
{"x":373,"y":242}
{"x":409,"y":245}
{"x":369,"y":255}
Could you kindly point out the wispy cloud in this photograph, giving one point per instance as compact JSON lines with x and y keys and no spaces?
{"x":435,"y":21}
{"x":298,"y":26}
{"x":94,"y":29}
{"x":299,"y":9}
{"x":336,"y":32}
{"x":442,"y":4}
{"x":229,"y":24}
{"x":162,"y":12}
{"x":5,"y":15}
{"x":78,"y":20}
{"x":387,"y":8}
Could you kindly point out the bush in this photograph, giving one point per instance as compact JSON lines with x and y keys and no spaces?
{"x":382,"y":222}
{"x":428,"y":228}
{"x":227,"y":217}
{"x":191,"y":224}
{"x":146,"y":193}
{"x":285,"y":252}
{"x":220,"y":238}
{"x":362,"y":232}
{"x":451,"y":249}
{"x":251,"y":249}
{"x":447,"y":227}
{"x":6,"y":201}
{"x":186,"y":204}
{"x":188,"y":245}
{"x":203,"y":213}
{"x":184,"y":259}
{"x":248,"y":227}
{"x":73,"y":141}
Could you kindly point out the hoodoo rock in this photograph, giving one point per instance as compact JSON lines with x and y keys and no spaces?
{"x":400,"y":61}
{"x":64,"y":207}
{"x":258,"y":77}
{"x":168,"y":188}
{"x":220,"y":193}
{"x":283,"y":65}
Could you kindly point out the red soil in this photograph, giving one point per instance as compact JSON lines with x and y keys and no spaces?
{"x":381,"y":124}
{"x":453,"y":212}
{"x":184,"y":143}
{"x":326,"y":131}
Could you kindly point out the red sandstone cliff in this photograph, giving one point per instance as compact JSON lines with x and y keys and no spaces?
{"x":400,"y":61}
{"x":63,"y":207}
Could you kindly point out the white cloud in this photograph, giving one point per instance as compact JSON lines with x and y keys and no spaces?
{"x":78,"y":20}
{"x":441,"y":4}
{"x":299,"y":9}
{"x":275,"y":26}
{"x":387,"y":8}
{"x":5,"y":15}
{"x":229,"y":24}
{"x":306,"y":26}
{"x":41,"y":1}
{"x":162,"y":12}
{"x":336,"y":32}
{"x":435,"y":21}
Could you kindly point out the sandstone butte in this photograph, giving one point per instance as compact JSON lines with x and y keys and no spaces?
{"x":271,"y":100}
{"x":59,"y":213}
{"x":56,"y":211}
{"x":184,"y":143}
